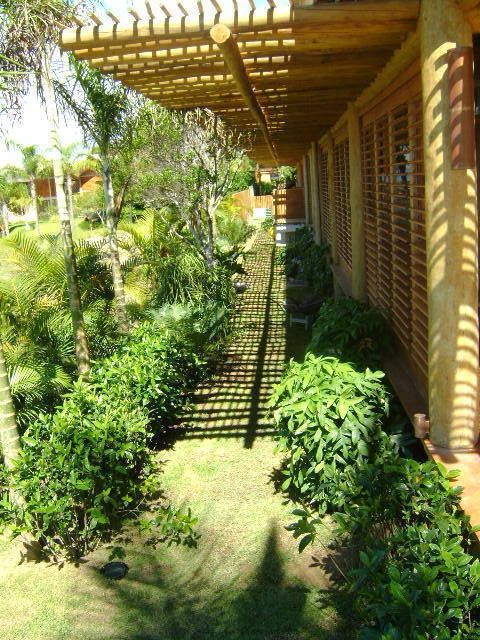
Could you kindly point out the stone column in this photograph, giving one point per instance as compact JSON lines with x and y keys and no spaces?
{"x":359,"y":285}
{"x":452,"y":247}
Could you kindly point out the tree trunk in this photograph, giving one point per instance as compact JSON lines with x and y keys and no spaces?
{"x":79,"y":333}
{"x":69,"y":187}
{"x":9,"y":436}
{"x":33,"y":195}
{"x":118,"y":284}
{"x":211,"y":260}
{"x":6,"y":229}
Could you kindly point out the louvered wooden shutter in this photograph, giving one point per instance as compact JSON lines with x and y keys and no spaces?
{"x":342,"y":203}
{"x":326,"y":227}
{"x":395,"y":247}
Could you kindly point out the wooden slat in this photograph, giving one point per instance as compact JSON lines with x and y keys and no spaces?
{"x":342,"y":202}
{"x":395,"y":246}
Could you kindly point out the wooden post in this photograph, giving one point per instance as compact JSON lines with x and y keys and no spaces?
{"x":452,"y":249}
{"x":306,"y":189}
{"x":359,"y":284}
{"x":331,"y":198}
{"x":315,"y":191}
{"x":223,"y":38}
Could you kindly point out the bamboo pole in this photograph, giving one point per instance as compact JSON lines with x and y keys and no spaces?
{"x":223,"y":38}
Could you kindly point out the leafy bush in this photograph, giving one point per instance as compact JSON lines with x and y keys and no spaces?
{"x":232,"y":229}
{"x":328,"y":418}
{"x":80,"y":472}
{"x":421,"y":584}
{"x":206,"y":329}
{"x":352,"y":331}
{"x":35,"y":320}
{"x":303,"y":259}
{"x":416,"y":579}
{"x":395,"y":492}
{"x":86,"y":469}
{"x":155,"y":371}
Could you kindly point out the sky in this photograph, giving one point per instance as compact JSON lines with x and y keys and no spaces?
{"x":32,"y":127}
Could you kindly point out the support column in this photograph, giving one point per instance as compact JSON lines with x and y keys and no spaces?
{"x":315,"y":191}
{"x":359,"y":284}
{"x":331,"y":198}
{"x":452,"y":248}
{"x":306,"y":189}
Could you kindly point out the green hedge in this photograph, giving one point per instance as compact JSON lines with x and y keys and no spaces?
{"x":328,"y":418}
{"x":417,"y":578}
{"x":86,"y":469}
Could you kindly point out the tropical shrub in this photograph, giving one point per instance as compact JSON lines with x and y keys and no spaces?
{"x":35,"y":321}
{"x":303,"y":259}
{"x":232,"y":229}
{"x":328,"y":418}
{"x":206,"y":329}
{"x":87,"y":468}
{"x":165,"y":268}
{"x":352,"y":331}
{"x":415,"y":578}
{"x":155,"y":371}
{"x":422,"y":584}
{"x":80,"y":472}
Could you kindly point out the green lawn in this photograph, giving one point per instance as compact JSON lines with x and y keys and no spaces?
{"x":81,"y":229}
{"x":246,"y":580}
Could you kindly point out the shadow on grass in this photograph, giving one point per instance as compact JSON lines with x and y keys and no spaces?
{"x":234,"y":403}
{"x":263,"y":605}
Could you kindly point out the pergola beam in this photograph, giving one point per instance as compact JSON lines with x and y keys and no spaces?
{"x":223,"y":38}
{"x":367,"y":16}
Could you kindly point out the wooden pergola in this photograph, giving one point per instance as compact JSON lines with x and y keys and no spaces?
{"x":286,"y":72}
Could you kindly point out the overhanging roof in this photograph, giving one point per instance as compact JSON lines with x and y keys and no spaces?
{"x":303,"y":65}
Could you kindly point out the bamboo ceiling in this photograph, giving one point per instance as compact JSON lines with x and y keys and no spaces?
{"x":288,"y":73}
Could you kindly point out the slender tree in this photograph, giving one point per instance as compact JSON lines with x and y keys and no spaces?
{"x":33,"y":167}
{"x":9,"y":436}
{"x":197,"y":158}
{"x":29,"y":33}
{"x":105,"y":113}
{"x":73,"y":157}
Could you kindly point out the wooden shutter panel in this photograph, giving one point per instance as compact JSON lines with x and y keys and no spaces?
{"x":395,"y":246}
{"x":324,"y":197}
{"x":343,"y":218}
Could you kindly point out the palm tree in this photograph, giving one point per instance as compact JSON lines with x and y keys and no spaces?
{"x":105,"y":114}
{"x":74,"y":159}
{"x":30,"y":31}
{"x":33,"y":167}
{"x":9,"y":436}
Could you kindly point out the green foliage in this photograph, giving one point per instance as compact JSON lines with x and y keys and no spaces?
{"x":80,"y":472}
{"x":166,"y":269}
{"x":35,"y":322}
{"x":232,"y":229}
{"x":415,"y":579}
{"x":206,"y":329}
{"x":303,"y":259}
{"x":86,"y":469}
{"x":352,"y":331}
{"x":328,"y":418}
{"x":155,"y":370}
{"x":287,"y":177}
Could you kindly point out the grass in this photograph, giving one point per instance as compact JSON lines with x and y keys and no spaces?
{"x":246,"y":580}
{"x":81,"y":229}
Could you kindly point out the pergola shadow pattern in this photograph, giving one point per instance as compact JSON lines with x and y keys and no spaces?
{"x":233,"y":404}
